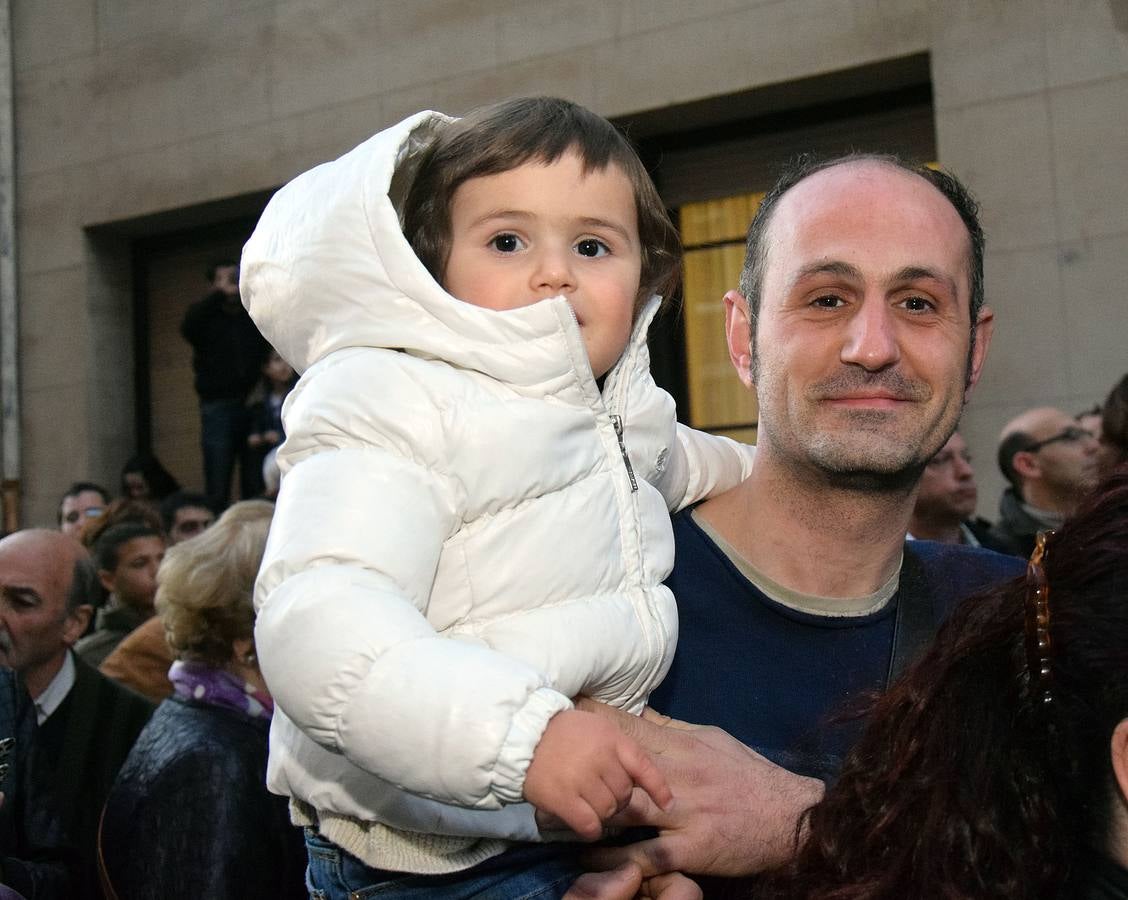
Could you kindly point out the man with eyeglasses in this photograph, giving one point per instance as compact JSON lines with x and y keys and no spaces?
{"x":1051,"y":462}
{"x":82,"y":502}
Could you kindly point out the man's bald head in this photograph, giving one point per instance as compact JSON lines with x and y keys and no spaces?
{"x":1049,"y":459}
{"x":46,"y":584}
{"x":60,"y":559}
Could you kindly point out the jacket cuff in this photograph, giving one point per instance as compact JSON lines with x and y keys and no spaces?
{"x":524,"y":734}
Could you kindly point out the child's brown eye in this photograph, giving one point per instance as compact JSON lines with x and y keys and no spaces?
{"x":506,"y":243}
{"x":591,"y":247}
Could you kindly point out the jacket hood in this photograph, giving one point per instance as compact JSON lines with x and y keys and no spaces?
{"x":328,"y":267}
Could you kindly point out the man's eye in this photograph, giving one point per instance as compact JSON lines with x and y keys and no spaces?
{"x":592,"y":247}
{"x":917,"y":304}
{"x":507,"y":243}
{"x":828,"y":301}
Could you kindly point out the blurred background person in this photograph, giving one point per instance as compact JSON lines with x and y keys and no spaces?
{"x":127,"y":556}
{"x":200,"y":763}
{"x":227,"y":355}
{"x":185,"y":514}
{"x":1051,"y":464}
{"x":998,"y":765}
{"x":83,"y":501}
{"x":265,"y":405}
{"x":1114,"y":427}
{"x":1090,"y":420}
{"x":142,"y":658}
{"x":946,"y":498}
{"x":143,"y":478}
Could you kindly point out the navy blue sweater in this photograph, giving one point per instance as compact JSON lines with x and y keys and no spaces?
{"x":788,"y":683}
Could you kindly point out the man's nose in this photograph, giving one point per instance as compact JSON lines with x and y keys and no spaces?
{"x":964,"y":471}
{"x":870,"y":340}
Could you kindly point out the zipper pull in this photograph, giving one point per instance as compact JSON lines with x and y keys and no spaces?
{"x":618,"y":423}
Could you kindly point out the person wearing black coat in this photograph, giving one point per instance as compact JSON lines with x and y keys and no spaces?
{"x":36,"y":859}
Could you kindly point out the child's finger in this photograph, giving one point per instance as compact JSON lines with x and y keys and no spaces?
{"x":582,"y":819}
{"x":602,"y":799}
{"x":620,"y":785}
{"x":645,"y":773}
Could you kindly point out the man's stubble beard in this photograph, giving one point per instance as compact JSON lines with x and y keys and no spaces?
{"x":865,"y":470}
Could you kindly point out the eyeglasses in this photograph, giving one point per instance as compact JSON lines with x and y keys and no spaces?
{"x":1070,"y":435}
{"x":91,"y":512}
{"x":1038,"y":643}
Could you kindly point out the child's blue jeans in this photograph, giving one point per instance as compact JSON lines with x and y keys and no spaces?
{"x":526,"y":872}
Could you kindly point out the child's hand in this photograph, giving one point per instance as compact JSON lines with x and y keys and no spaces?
{"x":584,"y":769}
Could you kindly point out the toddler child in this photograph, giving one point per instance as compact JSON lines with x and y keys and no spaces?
{"x":473,"y":524}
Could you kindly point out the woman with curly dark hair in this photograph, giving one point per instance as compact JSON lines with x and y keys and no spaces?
{"x":998,"y":765}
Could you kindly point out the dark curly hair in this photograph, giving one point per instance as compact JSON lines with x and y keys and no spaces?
{"x":965,"y":784}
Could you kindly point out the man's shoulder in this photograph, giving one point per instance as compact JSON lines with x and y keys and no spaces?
{"x":956,"y":571}
{"x":109,"y":692}
{"x":103,"y":709}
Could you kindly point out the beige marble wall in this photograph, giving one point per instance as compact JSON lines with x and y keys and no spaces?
{"x":128,"y":108}
{"x":1031,"y":97}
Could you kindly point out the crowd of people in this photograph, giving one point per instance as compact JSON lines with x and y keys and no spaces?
{"x":516,"y":632}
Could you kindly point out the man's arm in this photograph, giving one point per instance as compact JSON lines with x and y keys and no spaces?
{"x":734,"y":812}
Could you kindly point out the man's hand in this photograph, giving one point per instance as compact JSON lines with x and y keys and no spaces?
{"x":734,"y":813}
{"x":584,"y":770}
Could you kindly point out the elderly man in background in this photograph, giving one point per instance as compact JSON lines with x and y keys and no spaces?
{"x":1051,"y":462}
{"x":87,"y":723}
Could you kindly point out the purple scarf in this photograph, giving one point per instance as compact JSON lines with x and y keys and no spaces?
{"x":204,"y":684}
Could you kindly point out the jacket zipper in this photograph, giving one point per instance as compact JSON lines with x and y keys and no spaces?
{"x":617,"y":421}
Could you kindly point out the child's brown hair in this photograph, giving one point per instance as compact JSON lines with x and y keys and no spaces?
{"x":503,"y":136}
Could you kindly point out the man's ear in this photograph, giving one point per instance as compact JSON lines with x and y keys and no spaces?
{"x":76,"y":623}
{"x":984,"y":330}
{"x":738,"y":333}
{"x":106,"y":577}
{"x":1026,"y":465}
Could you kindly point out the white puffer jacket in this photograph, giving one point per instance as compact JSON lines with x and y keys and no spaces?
{"x":461,"y":543}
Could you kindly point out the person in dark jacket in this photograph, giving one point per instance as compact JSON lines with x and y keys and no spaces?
{"x":189,"y":815}
{"x":1051,"y":463}
{"x":36,"y":859}
{"x":87,"y":723}
{"x":227,"y":353}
